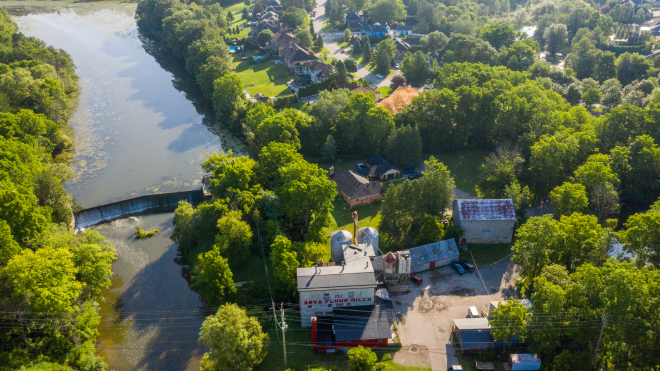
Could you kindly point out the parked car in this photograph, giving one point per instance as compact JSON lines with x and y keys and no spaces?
{"x":458,"y":268}
{"x":379,"y":76}
{"x":429,"y":86}
{"x":408,"y":171}
{"x":396,"y":65}
{"x":467,"y":266}
{"x":361,"y":166}
{"x":455,"y":368}
{"x":473,"y":312}
{"x":416,"y":279}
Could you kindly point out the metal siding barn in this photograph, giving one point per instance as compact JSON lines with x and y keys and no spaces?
{"x":485,"y":221}
{"x":433,"y":255}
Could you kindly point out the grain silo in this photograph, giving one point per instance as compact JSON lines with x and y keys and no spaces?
{"x":369,"y":235}
{"x":339,"y":241}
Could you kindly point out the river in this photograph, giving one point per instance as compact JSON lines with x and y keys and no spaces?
{"x":135,"y":134}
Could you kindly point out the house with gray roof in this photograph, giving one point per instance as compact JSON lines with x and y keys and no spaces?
{"x":293,"y":53}
{"x":473,"y":335}
{"x":402,"y":30}
{"x":356,"y":189}
{"x":378,"y":168}
{"x":355,"y":21}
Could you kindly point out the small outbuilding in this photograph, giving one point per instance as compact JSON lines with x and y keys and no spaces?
{"x":473,"y":335}
{"x":485,"y":221}
{"x":524,"y":362}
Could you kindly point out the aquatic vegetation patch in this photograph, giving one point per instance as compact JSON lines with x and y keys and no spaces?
{"x":141,"y":234}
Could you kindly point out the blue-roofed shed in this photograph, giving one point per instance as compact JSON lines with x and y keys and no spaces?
{"x":473,"y":335}
{"x":433,"y":255}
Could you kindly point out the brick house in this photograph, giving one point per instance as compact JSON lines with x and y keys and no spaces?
{"x":356,"y":189}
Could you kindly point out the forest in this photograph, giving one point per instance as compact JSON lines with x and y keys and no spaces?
{"x":50,"y":278}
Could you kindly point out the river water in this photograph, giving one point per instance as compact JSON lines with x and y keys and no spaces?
{"x":135,"y":134}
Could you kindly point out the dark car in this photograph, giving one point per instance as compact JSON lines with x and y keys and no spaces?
{"x":458,"y":268}
{"x":416,"y":279}
{"x":467,"y":266}
{"x":408,"y":171}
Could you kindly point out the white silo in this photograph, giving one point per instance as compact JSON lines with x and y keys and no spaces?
{"x":339,"y":241}
{"x":370,"y":236}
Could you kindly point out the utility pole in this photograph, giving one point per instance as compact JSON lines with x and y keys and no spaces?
{"x":20,"y":316}
{"x":284,"y":327}
{"x":601,"y":336}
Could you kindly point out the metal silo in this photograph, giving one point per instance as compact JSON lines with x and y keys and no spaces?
{"x":369,"y":235}
{"x":339,"y":241}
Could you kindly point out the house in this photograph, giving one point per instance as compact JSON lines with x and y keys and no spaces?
{"x":281,"y":41}
{"x":433,"y":255}
{"x":401,"y":49}
{"x":399,"y":99}
{"x":402,"y":30}
{"x":376,"y":30}
{"x":265,"y":16}
{"x":268,"y":24}
{"x":473,"y":335}
{"x":274,"y":6}
{"x":355,"y":21}
{"x":260,"y":97}
{"x":524,"y":362}
{"x":356,"y":189}
{"x":485,"y":221}
{"x":368,"y":326}
{"x":379,"y":168}
{"x":312,"y":72}
{"x":293,"y":53}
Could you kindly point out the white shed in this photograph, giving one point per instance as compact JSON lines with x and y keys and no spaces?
{"x":485,"y":221}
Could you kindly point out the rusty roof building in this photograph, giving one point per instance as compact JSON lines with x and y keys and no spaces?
{"x":485,"y":221}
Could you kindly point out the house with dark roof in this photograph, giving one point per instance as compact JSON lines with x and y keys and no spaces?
{"x":368,"y":326}
{"x":268,"y":24}
{"x":485,"y":221}
{"x":274,"y":6}
{"x":473,"y":335}
{"x":401,"y":49}
{"x":379,"y":168}
{"x":293,"y":53}
{"x":313,"y":72}
{"x":376,"y":30}
{"x":355,"y":188}
{"x":402,"y":30}
{"x":281,"y":40}
{"x":355,"y":21}
{"x":269,"y":16}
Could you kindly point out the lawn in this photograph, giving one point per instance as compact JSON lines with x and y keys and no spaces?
{"x":486,"y":253}
{"x":237,"y":11}
{"x":266,"y":78}
{"x":464,"y":167}
{"x":385,"y":91}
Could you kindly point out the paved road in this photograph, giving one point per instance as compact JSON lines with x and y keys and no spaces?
{"x":337,"y":52}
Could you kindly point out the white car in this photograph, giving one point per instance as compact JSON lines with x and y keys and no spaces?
{"x":429,"y":86}
{"x":379,"y":76}
{"x":396,"y":65}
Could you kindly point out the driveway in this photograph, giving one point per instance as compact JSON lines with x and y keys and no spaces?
{"x":429,"y":309}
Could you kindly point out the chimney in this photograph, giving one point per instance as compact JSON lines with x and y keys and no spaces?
{"x":355,"y":226}
{"x":331,"y":171}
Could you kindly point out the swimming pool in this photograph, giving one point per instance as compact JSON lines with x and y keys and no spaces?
{"x":233,"y":49}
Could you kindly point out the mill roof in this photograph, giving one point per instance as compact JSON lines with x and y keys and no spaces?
{"x":355,"y":186}
{"x":336,"y":277}
{"x":362,"y":323}
{"x":486,"y":209}
{"x":433,"y":252}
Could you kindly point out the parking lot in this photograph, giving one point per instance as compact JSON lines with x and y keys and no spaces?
{"x":428,"y":310}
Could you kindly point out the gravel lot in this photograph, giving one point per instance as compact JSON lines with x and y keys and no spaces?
{"x":429,"y":309}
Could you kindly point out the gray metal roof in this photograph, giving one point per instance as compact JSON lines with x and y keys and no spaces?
{"x":357,"y":274}
{"x":480,"y":323}
{"x":365,"y":249}
{"x":486,"y":209}
{"x":362,"y":323}
{"x":433,"y":252}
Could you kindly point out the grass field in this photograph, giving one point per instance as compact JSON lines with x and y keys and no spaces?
{"x":464,"y":167}
{"x":486,"y":254}
{"x":385,"y":91}
{"x":266,"y":78}
{"x":237,"y":11}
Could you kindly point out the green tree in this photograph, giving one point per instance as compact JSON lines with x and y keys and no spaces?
{"x":611,"y":91}
{"x":500,"y":170}
{"x":378,"y":124}
{"x":306,"y":197}
{"x":384,"y":56}
{"x":387,"y":11}
{"x":555,"y":37}
{"x":347,"y":35}
{"x":361,"y":359}
{"x":509,"y":322}
{"x":235,"y":236}
{"x":415,"y":67}
{"x":214,"y":68}
{"x":236,"y":340}
{"x":568,"y":198}
{"x":436,"y":41}
{"x":552,"y":159}
{"x":273,"y":157}
{"x":285,"y":264}
{"x":366,"y":52}
{"x":231,"y":173}
{"x":18,"y":207}
{"x":630,"y":67}
{"x":351,"y":65}
{"x":227,"y":90}
{"x":296,"y":17}
{"x":245,"y":14}
{"x":357,"y":46}
{"x":535,"y":241}
{"x":498,"y":34}
{"x":431,"y":231}
{"x":594,"y":172}
{"x":94,"y":264}
{"x":46,"y":279}
{"x":642,"y":237}
{"x":303,"y":37}
{"x":330,"y":149}
{"x":319,"y":42}
{"x":8,"y":247}
{"x":264,"y":37}
{"x":404,"y":147}
{"x":591,"y":97}
{"x":278,"y":129}
{"x":341,"y":73}
{"x":213,"y":278}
